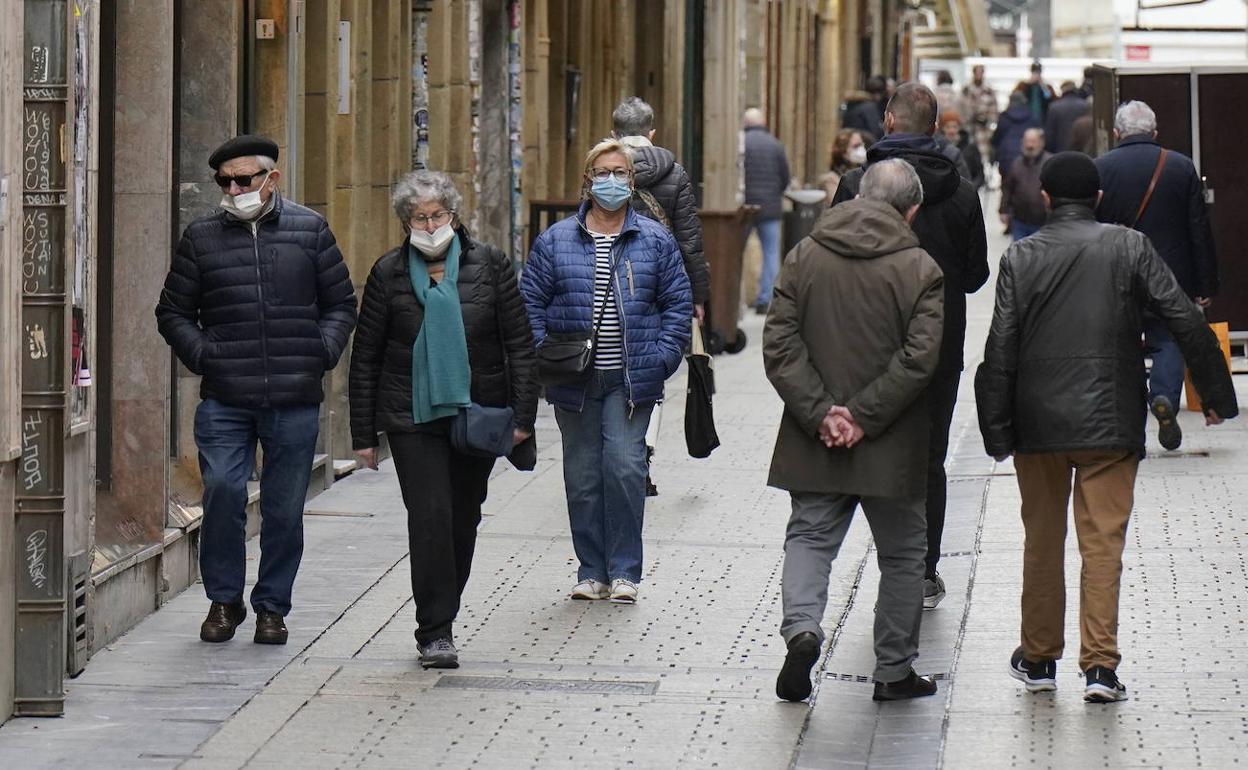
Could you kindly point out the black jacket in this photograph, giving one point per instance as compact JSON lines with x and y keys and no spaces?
{"x":950,"y":226}
{"x":1176,"y":220}
{"x":766,"y":172}
{"x":974,"y":161}
{"x":865,"y":114}
{"x":1061,"y":119}
{"x":500,"y":342}
{"x":656,"y":171}
{"x":1020,"y":191}
{"x":261,"y":317}
{"x":1007,"y":139}
{"x":1063,"y":369}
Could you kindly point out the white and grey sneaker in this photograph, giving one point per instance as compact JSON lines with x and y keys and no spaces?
{"x":591,"y":589}
{"x":933,"y":592}
{"x":439,"y":653}
{"x":623,"y":591}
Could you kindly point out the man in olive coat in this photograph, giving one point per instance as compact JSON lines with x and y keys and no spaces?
{"x":851,"y":342}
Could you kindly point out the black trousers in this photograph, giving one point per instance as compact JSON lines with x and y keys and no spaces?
{"x":443,"y":491}
{"x":942,"y":396}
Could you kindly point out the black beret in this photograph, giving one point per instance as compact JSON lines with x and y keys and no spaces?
{"x":239,"y":146}
{"x":1070,"y":175}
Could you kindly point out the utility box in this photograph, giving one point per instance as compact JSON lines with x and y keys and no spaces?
{"x":1200,"y":111}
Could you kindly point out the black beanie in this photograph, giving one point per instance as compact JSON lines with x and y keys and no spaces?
{"x":1070,"y":175}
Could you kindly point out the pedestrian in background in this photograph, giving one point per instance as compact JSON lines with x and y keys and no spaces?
{"x":620,"y":278}
{"x":950,"y":228}
{"x":259,"y":302}
{"x":1022,"y":205}
{"x":766,"y":179}
{"x":979,"y":101}
{"x":947,"y":97}
{"x":663,"y":192}
{"x":1007,"y":139}
{"x":1159,"y":193}
{"x":1060,"y":388}
{"x":958,"y":138}
{"x":849,"y":151}
{"x":1059,"y":125}
{"x":442,"y":326}
{"x":1039,"y":94}
{"x":865,"y":110}
{"x":852,"y":340}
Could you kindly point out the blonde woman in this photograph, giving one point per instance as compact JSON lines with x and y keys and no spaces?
{"x":616,"y":280}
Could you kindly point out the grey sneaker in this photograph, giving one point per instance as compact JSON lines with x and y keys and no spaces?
{"x":440,"y":653}
{"x":1168,"y":431}
{"x":933,"y":591}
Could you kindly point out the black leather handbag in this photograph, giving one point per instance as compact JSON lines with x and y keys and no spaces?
{"x":568,"y":359}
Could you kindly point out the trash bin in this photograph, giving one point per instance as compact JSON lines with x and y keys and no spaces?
{"x":723,"y":241}
{"x":808,"y":205}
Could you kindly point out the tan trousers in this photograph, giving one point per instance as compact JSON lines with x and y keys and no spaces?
{"x":1104,"y":487}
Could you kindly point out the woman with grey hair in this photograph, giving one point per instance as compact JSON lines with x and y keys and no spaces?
{"x":442,"y":328}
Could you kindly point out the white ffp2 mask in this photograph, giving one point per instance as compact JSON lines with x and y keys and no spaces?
{"x":435,"y":244}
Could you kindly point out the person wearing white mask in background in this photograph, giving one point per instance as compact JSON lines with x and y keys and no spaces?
{"x":259,"y":302}
{"x":617,"y":279}
{"x":442,"y":326}
{"x":849,"y":151}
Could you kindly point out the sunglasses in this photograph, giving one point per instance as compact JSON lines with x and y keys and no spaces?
{"x":243,"y":180}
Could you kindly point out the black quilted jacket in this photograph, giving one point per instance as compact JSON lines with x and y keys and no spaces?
{"x":500,"y":342}
{"x":1063,"y":369}
{"x":262,"y":317}
{"x":656,"y":171}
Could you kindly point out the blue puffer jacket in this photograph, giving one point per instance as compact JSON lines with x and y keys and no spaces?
{"x":651,"y":291}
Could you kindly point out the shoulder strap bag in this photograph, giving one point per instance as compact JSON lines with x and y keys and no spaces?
{"x":1152,"y":186}
{"x":568,"y":359}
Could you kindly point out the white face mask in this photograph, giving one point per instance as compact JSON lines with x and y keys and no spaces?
{"x":435,"y":244}
{"x":857,"y":155}
{"x":246,"y":206}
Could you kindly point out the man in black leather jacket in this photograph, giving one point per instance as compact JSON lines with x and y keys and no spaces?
{"x":259,"y":302}
{"x":950,"y":226}
{"x":1062,"y":388}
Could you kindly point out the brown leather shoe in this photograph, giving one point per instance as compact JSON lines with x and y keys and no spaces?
{"x":221,"y":621}
{"x":270,"y":628}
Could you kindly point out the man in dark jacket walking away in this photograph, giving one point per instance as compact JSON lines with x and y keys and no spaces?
{"x":259,"y":303}
{"x":1061,"y":388}
{"x":663,"y":192}
{"x":1022,"y":209}
{"x":865,"y":111}
{"x":1159,"y":193}
{"x":1063,"y":112}
{"x":851,"y":342}
{"x":1007,"y":139}
{"x":950,"y":227}
{"x":766,"y":179}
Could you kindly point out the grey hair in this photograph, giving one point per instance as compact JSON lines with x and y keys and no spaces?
{"x":1134,"y":118}
{"x":266,"y":163}
{"x":894,"y":182}
{"x":633,"y":117}
{"x":416,"y":187}
{"x":1034,"y":132}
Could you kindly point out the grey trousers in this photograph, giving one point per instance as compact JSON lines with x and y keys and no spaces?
{"x":814,"y":536}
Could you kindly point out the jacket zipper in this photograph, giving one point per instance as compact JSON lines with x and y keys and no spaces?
{"x":264,"y":341}
{"x":628,"y":380}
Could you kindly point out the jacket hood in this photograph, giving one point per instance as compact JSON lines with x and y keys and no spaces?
{"x":650,"y":164}
{"x":863,"y":229}
{"x":937,"y":173}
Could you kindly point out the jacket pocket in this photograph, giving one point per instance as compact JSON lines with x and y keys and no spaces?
{"x":294,"y":277}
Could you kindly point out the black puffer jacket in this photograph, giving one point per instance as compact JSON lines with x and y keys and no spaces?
{"x":1063,"y":369}
{"x":656,"y":171}
{"x":950,"y":226}
{"x":500,"y":342}
{"x":261,"y":317}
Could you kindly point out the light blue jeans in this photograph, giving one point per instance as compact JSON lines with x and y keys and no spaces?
{"x":604,"y":475}
{"x":769,"y":236}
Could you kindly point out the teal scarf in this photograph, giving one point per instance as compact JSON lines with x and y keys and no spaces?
{"x":440,"y":374}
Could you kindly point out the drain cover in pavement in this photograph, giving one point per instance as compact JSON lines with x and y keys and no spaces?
{"x":457,"y":682}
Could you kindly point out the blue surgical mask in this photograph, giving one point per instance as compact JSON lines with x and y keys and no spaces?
{"x":611,"y":193}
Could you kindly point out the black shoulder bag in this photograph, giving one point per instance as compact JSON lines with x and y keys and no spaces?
{"x":568,"y":359}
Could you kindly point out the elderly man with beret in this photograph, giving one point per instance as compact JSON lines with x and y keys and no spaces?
{"x":259,"y":303}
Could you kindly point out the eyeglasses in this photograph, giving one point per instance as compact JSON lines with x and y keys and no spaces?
{"x":438,"y":219}
{"x":603,"y":174}
{"x":243,"y":180}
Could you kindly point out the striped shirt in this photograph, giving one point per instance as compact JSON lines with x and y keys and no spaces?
{"x":609,"y":351}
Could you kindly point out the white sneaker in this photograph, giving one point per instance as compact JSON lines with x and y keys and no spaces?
{"x":623,"y":591}
{"x":591,"y":589}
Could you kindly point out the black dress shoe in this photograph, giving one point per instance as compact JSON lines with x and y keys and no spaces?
{"x":913,"y":686}
{"x":270,"y":628}
{"x":793,"y":684}
{"x":221,"y":621}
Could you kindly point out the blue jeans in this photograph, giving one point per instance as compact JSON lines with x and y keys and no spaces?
{"x":769,"y":236}
{"x":1166,"y":376}
{"x":604,"y":475}
{"x":226,"y":436}
{"x":1020,"y":230}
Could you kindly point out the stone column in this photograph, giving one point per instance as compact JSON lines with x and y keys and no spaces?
{"x":133,"y":511}
{"x":724,"y":79}
{"x":493,"y":174}
{"x":828,"y":82}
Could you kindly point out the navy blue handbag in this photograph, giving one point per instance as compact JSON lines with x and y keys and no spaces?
{"x":484,"y":431}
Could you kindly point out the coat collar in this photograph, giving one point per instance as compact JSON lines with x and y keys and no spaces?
{"x":1072,"y":212}
{"x":1138,"y":139}
{"x":272,"y":214}
{"x":630,"y":218}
